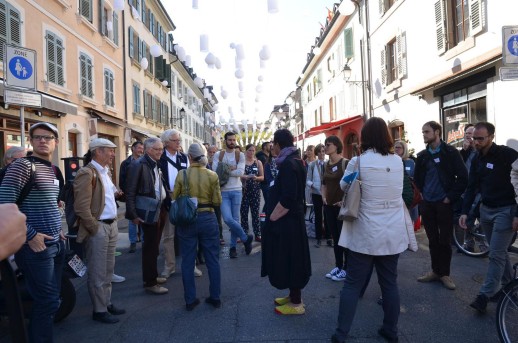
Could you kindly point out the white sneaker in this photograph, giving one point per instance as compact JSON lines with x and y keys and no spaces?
{"x":339,"y":276}
{"x":117,"y":278}
{"x":333,"y":272}
{"x":197,"y":272}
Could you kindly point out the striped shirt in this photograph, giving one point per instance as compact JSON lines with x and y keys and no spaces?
{"x":41,"y":204}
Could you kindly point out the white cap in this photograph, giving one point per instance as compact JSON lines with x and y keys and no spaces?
{"x":101,"y":143}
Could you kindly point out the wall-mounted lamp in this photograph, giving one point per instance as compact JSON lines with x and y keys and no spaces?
{"x":347,"y":75}
{"x":180,"y":116}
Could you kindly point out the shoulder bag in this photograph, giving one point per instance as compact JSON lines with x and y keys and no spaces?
{"x":183,"y":211}
{"x":350,"y":208}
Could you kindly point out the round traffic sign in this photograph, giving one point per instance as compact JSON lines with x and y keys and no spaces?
{"x":512,"y":45}
{"x":20,"y":67}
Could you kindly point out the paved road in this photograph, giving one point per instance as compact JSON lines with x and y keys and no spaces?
{"x":429,"y":312}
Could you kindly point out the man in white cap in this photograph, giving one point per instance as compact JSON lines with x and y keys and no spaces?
{"x":94,"y":204}
{"x":33,"y":184}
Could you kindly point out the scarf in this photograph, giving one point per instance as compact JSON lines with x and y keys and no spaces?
{"x":285,"y":153}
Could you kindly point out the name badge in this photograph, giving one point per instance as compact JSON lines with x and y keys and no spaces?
{"x":334,"y":169}
{"x":489,"y":166}
{"x":407,"y":168}
{"x":437,"y":160}
{"x":183,"y":164}
{"x":272,"y":183}
{"x":56,"y":182}
{"x":254,"y":169}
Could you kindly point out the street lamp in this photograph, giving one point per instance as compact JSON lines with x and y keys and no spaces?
{"x":180,"y":116}
{"x":347,"y":75}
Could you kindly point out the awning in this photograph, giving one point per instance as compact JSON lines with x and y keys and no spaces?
{"x":330,"y":126}
{"x":142,"y":132}
{"x":106,"y":117}
{"x":467,"y":68}
{"x":51,"y":102}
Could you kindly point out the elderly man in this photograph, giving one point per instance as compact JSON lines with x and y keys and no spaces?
{"x":13,"y":153}
{"x":145,"y":195}
{"x":137,"y":150}
{"x":171,"y":162}
{"x":94,"y":204}
{"x":32,"y":184}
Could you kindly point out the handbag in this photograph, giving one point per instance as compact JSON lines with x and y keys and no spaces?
{"x":350,"y":208}
{"x":183,"y":211}
{"x":147,"y":208}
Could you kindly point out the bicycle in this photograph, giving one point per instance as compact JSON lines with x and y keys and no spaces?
{"x":471,"y":241}
{"x":507,"y":311}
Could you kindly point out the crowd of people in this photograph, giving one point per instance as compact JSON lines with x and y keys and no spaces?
{"x":226,"y":186}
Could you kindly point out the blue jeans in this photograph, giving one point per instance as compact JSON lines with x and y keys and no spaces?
{"x":230,"y":207}
{"x":359,"y":269}
{"x":42,"y":273}
{"x":497,"y":224}
{"x":204,"y":232}
{"x":132,"y":232}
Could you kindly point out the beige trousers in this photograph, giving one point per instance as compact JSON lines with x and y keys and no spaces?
{"x":100,"y":255}
{"x":168,"y":248}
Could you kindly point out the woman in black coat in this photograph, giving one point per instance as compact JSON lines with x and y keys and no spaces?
{"x":285,"y":249}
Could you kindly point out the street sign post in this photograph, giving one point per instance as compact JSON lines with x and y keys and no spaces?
{"x":510,"y":45}
{"x":21,"y":98}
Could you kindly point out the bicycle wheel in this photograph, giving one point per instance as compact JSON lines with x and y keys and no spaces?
{"x":471,"y":242}
{"x":507,"y":313}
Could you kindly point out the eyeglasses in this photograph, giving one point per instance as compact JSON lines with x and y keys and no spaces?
{"x":398,"y":147}
{"x":46,"y":138}
{"x":158,"y":149}
{"x":480,"y":139}
{"x":174,"y":140}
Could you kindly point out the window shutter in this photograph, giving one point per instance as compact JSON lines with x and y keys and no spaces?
{"x":82,"y":71}
{"x":139,"y":47}
{"x":143,"y":13}
{"x":115,"y":28}
{"x":146,"y":105}
{"x":3,"y":28}
{"x":102,"y":18}
{"x":401,"y":55}
{"x":382,"y":7}
{"x":476,"y":16}
{"x":106,"y":87}
{"x":440,"y":25}
{"x":384,"y":66}
{"x":135,"y":44}
{"x":112,"y":90}
{"x":130,"y":42}
{"x":60,"y":68}
{"x":86,"y":9}
{"x":51,"y":58}
{"x":15,"y":26}
{"x":89,"y":70}
{"x":348,"y":43}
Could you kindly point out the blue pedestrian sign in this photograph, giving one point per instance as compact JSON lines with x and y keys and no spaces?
{"x":20,"y":67}
{"x":510,"y":46}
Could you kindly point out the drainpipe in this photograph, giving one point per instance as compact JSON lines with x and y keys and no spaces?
{"x":125,"y":96}
{"x":369,"y":60}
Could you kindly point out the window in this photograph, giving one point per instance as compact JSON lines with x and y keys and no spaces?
{"x":10,"y":26}
{"x":109,"y":23}
{"x":109,"y":99}
{"x":86,"y":75}
{"x":72,"y":144}
{"x":456,"y":20}
{"x":385,"y":5}
{"x":332,"y":114}
{"x":393,"y":60}
{"x":136,"y":98}
{"x":55,"y":68}
{"x":85,"y":9}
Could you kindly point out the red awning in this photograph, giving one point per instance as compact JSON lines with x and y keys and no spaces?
{"x":329,"y":126}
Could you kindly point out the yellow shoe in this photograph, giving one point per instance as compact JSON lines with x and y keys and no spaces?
{"x":282,"y":301}
{"x":289,"y":309}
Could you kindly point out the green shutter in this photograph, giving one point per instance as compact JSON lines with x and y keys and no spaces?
{"x":60,"y":68}
{"x":15,"y":34}
{"x":51,"y":57}
{"x":115,"y":28}
{"x":348,"y":43}
{"x":130,"y":42}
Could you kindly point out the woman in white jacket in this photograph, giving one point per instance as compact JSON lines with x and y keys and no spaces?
{"x":379,"y":234}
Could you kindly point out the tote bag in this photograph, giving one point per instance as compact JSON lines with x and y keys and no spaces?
{"x":183,"y":211}
{"x":350,"y":208}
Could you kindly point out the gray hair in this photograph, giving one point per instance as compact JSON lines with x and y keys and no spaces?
{"x":13,"y":151}
{"x":149,"y":142}
{"x":166,"y":135}
{"x":198,"y":153}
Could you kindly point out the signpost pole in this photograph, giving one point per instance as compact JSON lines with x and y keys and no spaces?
{"x":22,"y":125}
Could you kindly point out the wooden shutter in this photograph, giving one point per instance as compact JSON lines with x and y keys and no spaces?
{"x":60,"y":67}
{"x":90,"y":79}
{"x":146,"y":104}
{"x":348,"y":43}
{"x":106,"y":87}
{"x":440,"y":25}
{"x":383,"y":60}
{"x":86,"y":9}
{"x":115,"y":28}
{"x":401,"y":55}
{"x":15,"y":26}
{"x":476,"y":16}
{"x":102,"y":19}
{"x":382,"y":7}
{"x":3,"y":27}
{"x":130,"y":43}
{"x":51,"y":57}
{"x":83,"y":73}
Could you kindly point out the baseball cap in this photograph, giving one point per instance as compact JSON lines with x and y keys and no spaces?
{"x":46,"y":126}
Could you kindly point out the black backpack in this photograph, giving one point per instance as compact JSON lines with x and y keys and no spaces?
{"x":67,"y":196}
{"x":28,"y":186}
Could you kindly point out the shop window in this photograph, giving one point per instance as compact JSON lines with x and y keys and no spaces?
{"x":10,"y":26}
{"x":456,"y":20}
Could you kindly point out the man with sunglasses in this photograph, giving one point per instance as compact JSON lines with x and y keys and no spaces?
{"x":490,"y":175}
{"x":42,"y":256}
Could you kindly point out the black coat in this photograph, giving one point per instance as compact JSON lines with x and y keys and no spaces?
{"x":285,"y":250}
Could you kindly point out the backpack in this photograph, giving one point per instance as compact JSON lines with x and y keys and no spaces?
{"x":223,"y":169}
{"x":28,"y":186}
{"x":67,"y":196}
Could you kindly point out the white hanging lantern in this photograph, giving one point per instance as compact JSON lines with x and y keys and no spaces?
{"x":259,"y":88}
{"x":155,"y":50}
{"x":240,"y":52}
{"x":109,"y":26}
{"x":210,"y":60}
{"x":180,"y":52}
{"x":264,"y":54}
{"x":118,"y":5}
{"x":273,"y":6}
{"x":241,"y":95}
{"x":190,"y":92}
{"x":198,"y":81}
{"x":347,"y":7}
{"x":241,"y":86}
{"x":215,"y":107}
{"x":195,"y":4}
{"x":206,"y":93}
{"x":238,"y":63}
{"x":262,"y":64}
{"x":188,"y":60}
{"x":165,"y":83}
{"x":144,"y":63}
{"x":224,"y":94}
{"x":260,"y":78}
{"x":239,"y":73}
{"x":218,"y":63}
{"x":204,"y":43}
{"x":232,"y":45}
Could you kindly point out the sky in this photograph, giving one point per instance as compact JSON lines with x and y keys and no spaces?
{"x":288,"y":34}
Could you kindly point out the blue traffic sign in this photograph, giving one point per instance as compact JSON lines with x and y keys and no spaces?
{"x":20,"y":68}
{"x":512,"y":45}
